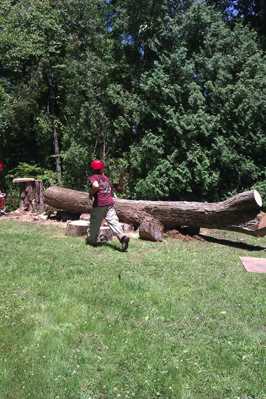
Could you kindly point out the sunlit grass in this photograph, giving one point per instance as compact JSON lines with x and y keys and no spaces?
{"x":167,"y":320}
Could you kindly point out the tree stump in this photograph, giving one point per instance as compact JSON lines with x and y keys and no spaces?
{"x":27,"y":188}
{"x":85,"y":216}
{"x":39,"y":195}
{"x":31,"y":194}
{"x":77,"y":228}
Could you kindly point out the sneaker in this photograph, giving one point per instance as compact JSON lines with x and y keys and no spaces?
{"x":124,"y":242}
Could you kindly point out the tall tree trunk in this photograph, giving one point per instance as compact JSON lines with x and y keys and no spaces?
{"x":51,"y":109}
{"x":57,"y":154}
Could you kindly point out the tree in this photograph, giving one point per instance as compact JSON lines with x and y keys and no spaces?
{"x":31,"y":45}
{"x":203,"y":115}
{"x":253,"y":11}
{"x":51,"y":58}
{"x":171,"y":93}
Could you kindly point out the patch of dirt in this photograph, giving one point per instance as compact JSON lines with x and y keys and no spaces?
{"x":30,"y":217}
{"x":42,"y":219}
{"x":177,"y":235}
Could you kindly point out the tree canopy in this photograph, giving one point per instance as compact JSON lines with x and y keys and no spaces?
{"x":172,"y":94}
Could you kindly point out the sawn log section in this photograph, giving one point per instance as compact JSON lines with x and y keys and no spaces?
{"x":236,"y":210}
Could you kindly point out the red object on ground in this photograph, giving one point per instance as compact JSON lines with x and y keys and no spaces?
{"x":254,"y":265}
{"x":2,"y":201}
{"x":2,"y":166}
{"x":96,"y":164}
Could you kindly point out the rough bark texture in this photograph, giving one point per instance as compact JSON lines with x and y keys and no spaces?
{"x":39,"y":195}
{"x":68,"y":200}
{"x":234,"y":211}
{"x":31,"y":194}
{"x":151,"y":231}
{"x":255,"y":227}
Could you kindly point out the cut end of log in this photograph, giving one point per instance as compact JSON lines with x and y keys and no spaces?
{"x":151,"y":231}
{"x":19,"y":180}
{"x":258,"y":198}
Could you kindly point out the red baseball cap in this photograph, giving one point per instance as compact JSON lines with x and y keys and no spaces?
{"x":96,"y":164}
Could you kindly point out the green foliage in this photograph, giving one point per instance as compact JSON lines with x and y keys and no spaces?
{"x":205,"y":105}
{"x":260,"y":186}
{"x":48,"y":177}
{"x":13,"y":196}
{"x":75,"y":166}
{"x":253,"y":12}
{"x":185,"y":118}
{"x":118,"y":170}
{"x":23,"y":169}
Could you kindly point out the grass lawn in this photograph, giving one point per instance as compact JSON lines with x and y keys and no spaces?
{"x":176,"y":319}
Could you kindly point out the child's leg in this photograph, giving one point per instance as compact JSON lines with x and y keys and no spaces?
{"x":97,"y":216}
{"x":113,"y":222}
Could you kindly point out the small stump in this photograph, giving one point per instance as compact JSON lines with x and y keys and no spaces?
{"x":77,"y":228}
{"x":85,"y":216}
{"x":31,"y":194}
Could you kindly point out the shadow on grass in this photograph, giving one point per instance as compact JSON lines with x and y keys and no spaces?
{"x":234,"y":244}
{"x":113,"y":247}
{"x":106,"y":244}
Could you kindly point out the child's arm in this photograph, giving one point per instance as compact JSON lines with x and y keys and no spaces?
{"x":94,"y":187}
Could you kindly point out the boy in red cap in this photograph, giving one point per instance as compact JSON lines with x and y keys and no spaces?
{"x":103,"y":206}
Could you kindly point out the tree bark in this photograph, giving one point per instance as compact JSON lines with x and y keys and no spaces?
{"x":151,"y":231}
{"x":52,"y":110}
{"x":39,"y":195}
{"x":31,"y":194}
{"x":57,"y":155}
{"x":255,"y":227}
{"x":234,"y":211}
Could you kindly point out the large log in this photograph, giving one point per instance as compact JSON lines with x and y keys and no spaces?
{"x":236,"y":210}
{"x":255,"y":227}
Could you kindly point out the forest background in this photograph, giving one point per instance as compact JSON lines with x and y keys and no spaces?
{"x":171,"y":94}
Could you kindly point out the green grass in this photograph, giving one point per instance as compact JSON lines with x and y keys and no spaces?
{"x":166,"y":320}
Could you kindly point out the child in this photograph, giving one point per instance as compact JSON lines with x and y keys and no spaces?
{"x":103,"y":206}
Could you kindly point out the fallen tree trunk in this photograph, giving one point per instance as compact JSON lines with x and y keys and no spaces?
{"x":235,"y":211}
{"x":255,"y":227}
